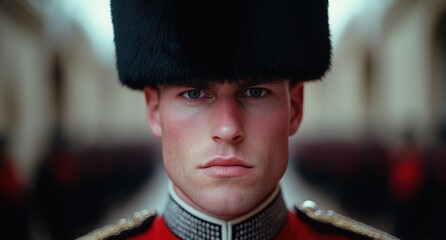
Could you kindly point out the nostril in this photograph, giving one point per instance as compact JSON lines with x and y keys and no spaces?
{"x":237,"y":138}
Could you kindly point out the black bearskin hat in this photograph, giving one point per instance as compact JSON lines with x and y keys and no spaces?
{"x":195,"y":41}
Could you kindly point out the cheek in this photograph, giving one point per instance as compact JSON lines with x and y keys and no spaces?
{"x":181,"y":128}
{"x":272,"y":125}
{"x":271,"y":136}
{"x":175,"y":150}
{"x":181,"y":135}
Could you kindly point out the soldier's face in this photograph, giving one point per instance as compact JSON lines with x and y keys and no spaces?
{"x":225,"y":147}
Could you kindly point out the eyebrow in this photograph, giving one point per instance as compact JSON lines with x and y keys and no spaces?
{"x":211,"y":84}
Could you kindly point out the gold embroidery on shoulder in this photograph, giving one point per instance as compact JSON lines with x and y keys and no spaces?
{"x":122,"y":225}
{"x":343,"y":222}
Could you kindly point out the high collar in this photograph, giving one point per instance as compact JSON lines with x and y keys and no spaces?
{"x":263,"y":222}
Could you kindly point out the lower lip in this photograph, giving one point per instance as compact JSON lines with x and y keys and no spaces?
{"x":226,"y":171}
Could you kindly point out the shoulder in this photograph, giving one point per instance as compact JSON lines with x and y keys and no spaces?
{"x":140,"y":222}
{"x":331,"y":221}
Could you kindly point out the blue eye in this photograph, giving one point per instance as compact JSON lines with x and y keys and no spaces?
{"x":255,"y":92}
{"x":194,"y":94}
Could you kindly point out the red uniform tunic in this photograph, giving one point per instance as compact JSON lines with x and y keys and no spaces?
{"x":270,"y":220}
{"x":294,"y":228}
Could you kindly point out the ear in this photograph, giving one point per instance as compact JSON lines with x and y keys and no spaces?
{"x":153,"y":113}
{"x":296,"y":106}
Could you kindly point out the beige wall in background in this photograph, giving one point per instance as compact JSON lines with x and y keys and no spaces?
{"x":383,"y":77}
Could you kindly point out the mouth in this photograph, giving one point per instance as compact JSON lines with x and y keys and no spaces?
{"x":226,"y":168}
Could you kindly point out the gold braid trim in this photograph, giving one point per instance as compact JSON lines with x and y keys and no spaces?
{"x":122,"y":225}
{"x":343,"y":222}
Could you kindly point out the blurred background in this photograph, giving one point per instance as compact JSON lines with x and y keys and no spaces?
{"x":76,"y":152}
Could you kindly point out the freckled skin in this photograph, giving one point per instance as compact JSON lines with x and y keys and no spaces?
{"x":225,"y":121}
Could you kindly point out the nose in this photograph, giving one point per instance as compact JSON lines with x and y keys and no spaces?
{"x":227,"y":121}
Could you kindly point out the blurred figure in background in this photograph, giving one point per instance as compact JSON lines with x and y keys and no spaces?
{"x":406,"y":183}
{"x":13,"y":198}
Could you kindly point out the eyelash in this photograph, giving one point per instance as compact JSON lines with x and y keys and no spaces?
{"x":204,"y":94}
{"x":264,"y":92}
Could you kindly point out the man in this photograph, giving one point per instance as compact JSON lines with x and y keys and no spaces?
{"x":223,"y":83}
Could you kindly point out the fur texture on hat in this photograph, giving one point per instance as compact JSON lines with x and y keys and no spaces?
{"x":196,"y":41}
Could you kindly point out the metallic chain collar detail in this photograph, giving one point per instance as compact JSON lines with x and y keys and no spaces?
{"x":265,"y":223}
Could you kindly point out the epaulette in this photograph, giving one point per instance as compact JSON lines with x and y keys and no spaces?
{"x":123,"y":228}
{"x":309,"y":208}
